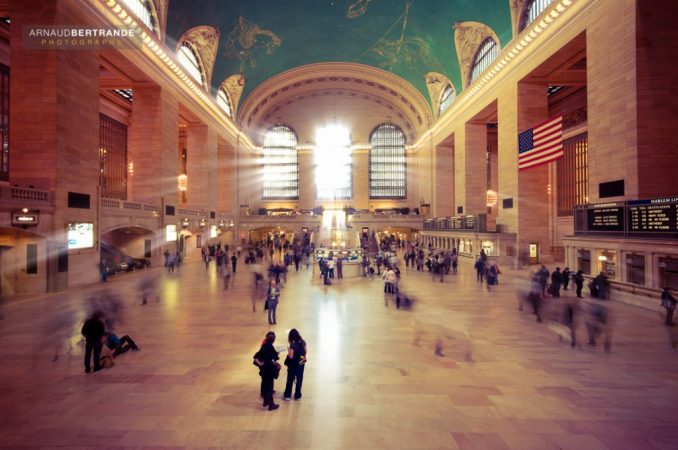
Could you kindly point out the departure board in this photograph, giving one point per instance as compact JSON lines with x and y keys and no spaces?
{"x":606,"y":217}
{"x":634,"y":218}
{"x":653,"y":216}
{"x":456,"y":223}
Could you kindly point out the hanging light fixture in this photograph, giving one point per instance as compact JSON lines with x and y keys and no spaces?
{"x":491,"y":198}
{"x":182,"y":182}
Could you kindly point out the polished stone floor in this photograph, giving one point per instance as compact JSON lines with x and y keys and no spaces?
{"x":462,"y":368}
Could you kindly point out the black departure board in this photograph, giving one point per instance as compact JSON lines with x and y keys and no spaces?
{"x":456,"y":223}
{"x":606,"y":217}
{"x":653,"y":216}
{"x":633,"y":218}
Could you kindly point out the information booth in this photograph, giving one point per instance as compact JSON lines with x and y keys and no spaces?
{"x":351,"y":258}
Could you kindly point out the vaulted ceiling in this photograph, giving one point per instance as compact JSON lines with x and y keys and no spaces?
{"x":263,"y":38}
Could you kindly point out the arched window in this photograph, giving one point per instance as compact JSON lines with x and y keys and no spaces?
{"x":189,"y":61}
{"x":533,"y":10}
{"x":487,"y":53}
{"x":446,"y":99}
{"x":388,"y":163}
{"x":333,"y":163}
{"x":224,"y":102}
{"x":281,"y":164}
{"x":141,"y":9}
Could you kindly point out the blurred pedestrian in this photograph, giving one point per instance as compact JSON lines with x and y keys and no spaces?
{"x":669,"y":303}
{"x":272,"y":298}
{"x":578,"y":279}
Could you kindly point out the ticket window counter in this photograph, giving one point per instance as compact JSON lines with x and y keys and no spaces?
{"x":584,"y":261}
{"x":635,"y":268}
{"x":668,"y":272}
{"x":607,"y":263}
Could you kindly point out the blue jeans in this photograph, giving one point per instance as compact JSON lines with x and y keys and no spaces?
{"x":292,"y":373}
{"x":271,"y":312}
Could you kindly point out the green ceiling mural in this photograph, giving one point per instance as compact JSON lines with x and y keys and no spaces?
{"x":409,"y":38}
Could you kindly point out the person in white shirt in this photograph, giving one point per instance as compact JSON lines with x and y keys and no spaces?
{"x":389,"y":281}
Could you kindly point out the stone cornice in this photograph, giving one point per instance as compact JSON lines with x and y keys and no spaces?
{"x":384,"y":84}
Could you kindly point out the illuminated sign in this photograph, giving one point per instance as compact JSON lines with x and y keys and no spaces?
{"x":170,"y":232}
{"x":80,"y":235}
{"x":25,"y":218}
{"x":213,"y":231}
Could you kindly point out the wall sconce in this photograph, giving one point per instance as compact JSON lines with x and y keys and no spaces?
{"x":203,"y":223}
{"x":602,"y":258}
{"x":182,"y":182}
{"x":185,"y":223}
{"x":231,"y":224}
{"x":222,"y":224}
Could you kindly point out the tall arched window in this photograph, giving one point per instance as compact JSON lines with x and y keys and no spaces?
{"x":533,"y":10}
{"x":388,"y":163}
{"x":281,"y":164}
{"x":189,"y":61}
{"x":333,"y":163}
{"x":141,"y":9}
{"x":446,"y":99}
{"x":224,"y":102}
{"x":487,"y":53}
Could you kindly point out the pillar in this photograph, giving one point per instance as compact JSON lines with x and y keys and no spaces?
{"x":226,"y":182}
{"x":54,"y":132}
{"x":153,"y":146}
{"x":519,"y":109}
{"x":201,"y":142}
{"x":470,"y":167}
{"x":443,"y":180}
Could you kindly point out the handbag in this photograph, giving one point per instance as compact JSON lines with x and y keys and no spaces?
{"x":265,"y":304}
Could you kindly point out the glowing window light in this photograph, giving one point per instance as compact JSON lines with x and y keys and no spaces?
{"x":388,"y":163}
{"x":486,"y":55}
{"x":534,"y":10}
{"x":142,"y":10}
{"x":281,"y":164}
{"x":189,"y":61}
{"x":223,"y":102}
{"x":446,"y":99}
{"x":334,"y":164}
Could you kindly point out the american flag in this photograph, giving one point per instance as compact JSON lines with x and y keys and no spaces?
{"x":541,"y":144}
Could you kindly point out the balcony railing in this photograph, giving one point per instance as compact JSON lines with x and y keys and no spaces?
{"x":28,"y":197}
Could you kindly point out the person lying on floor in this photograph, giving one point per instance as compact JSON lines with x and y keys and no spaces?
{"x":118,"y":346}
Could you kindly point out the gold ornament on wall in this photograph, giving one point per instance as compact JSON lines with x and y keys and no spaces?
{"x":436,"y":83}
{"x":234,"y":86}
{"x":205,"y":41}
{"x":467,"y":39}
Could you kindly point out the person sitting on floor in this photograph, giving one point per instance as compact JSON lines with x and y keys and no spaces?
{"x":118,"y":346}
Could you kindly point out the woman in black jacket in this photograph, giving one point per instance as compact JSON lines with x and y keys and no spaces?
{"x":295,"y":362}
{"x":266,"y":359}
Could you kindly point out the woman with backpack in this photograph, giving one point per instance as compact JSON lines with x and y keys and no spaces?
{"x":295,"y":362}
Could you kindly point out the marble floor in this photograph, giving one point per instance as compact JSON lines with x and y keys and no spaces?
{"x":461,"y":368}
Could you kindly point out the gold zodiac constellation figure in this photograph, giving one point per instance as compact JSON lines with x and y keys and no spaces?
{"x":410,"y":51}
{"x":246,"y":38}
{"x":357,"y":9}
